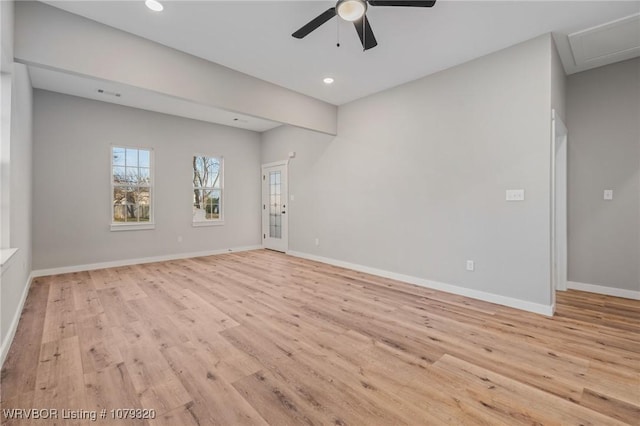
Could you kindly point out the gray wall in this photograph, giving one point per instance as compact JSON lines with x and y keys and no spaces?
{"x":72,"y":189}
{"x":305,"y":211}
{"x":6,"y":35}
{"x":604,"y":153}
{"x":15,"y":278}
{"x":415,"y":182}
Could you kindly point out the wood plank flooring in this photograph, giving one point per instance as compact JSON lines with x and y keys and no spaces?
{"x":258,"y":338}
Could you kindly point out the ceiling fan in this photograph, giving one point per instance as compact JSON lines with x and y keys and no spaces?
{"x":355,"y":11}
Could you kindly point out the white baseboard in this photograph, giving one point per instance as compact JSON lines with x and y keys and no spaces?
{"x":511,"y":302}
{"x":6,"y":344}
{"x":138,"y":261}
{"x":601,"y":289}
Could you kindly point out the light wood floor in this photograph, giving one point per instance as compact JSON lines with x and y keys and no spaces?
{"x":263,"y":338}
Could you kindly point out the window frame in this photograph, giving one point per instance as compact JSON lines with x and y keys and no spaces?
{"x":221,"y":216}
{"x":133,"y":226}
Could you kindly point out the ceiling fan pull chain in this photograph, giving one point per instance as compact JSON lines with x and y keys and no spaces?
{"x":337,"y":33}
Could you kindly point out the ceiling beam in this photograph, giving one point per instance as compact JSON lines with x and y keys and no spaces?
{"x":51,"y":38}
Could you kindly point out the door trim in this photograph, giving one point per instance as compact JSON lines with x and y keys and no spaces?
{"x":557,"y":123}
{"x":285,"y":218}
{"x":276,"y":163}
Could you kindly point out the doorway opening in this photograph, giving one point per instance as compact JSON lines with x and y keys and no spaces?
{"x":558,"y":205}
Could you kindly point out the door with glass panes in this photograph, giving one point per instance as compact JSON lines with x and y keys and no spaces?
{"x":275,"y":201}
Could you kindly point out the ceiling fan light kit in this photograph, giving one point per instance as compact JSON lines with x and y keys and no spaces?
{"x":356,"y":11}
{"x":351,"y":10}
{"x":154,"y":5}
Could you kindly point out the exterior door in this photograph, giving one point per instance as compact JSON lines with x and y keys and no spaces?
{"x":275,"y":199}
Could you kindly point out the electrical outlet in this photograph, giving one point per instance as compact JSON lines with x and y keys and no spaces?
{"x":608,"y":194}
{"x":317,"y":241}
{"x":179,"y":238}
{"x":470,"y":265}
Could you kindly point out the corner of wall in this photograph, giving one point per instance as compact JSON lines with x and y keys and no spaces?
{"x":558,"y":82}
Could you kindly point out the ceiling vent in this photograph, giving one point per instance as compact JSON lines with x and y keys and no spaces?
{"x":108,"y":93}
{"x":605,"y":44}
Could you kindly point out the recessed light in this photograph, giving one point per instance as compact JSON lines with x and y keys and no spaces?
{"x":328,"y":80}
{"x":154,"y":5}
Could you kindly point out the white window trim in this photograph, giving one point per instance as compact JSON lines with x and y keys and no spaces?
{"x":210,"y":222}
{"x":6,"y":80}
{"x":114,"y":226}
{"x":220,"y":220}
{"x":5,"y":258}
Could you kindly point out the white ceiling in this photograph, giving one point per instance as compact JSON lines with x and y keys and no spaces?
{"x":254,"y":37}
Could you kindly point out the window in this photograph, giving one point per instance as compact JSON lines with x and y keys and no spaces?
{"x":131,"y":184}
{"x":207,"y":190}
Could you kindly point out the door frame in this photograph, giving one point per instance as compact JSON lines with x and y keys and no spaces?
{"x":285,"y":197}
{"x":558,"y":240}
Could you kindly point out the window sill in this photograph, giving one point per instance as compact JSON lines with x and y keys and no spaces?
{"x":132,"y":227}
{"x":208,"y":223}
{"x":5,"y":258}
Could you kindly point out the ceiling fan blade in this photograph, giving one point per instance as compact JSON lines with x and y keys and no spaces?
{"x":366,"y":34}
{"x":315,"y":23}
{"x":405,"y":3}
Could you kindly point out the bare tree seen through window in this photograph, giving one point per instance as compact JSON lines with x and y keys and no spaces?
{"x":131,"y":182}
{"x":207,"y":191}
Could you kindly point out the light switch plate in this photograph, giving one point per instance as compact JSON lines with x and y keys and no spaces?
{"x":608,"y":194}
{"x":515,"y":195}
